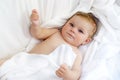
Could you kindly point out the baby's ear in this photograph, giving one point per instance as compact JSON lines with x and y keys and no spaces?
{"x":87,"y":41}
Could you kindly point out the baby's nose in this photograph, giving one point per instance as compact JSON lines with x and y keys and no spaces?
{"x":74,"y":29}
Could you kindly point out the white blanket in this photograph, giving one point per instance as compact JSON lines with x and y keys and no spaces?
{"x":24,"y":66}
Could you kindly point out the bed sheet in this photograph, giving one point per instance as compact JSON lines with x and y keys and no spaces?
{"x":100,"y":56}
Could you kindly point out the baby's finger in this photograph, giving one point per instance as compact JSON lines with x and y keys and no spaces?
{"x":62,"y":69}
{"x":64,"y":66}
{"x":59,"y":73}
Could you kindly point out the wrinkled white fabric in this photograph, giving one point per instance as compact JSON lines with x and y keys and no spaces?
{"x":24,"y":66}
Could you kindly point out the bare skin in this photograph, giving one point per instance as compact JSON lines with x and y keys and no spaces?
{"x":52,"y":38}
{"x":74,"y":33}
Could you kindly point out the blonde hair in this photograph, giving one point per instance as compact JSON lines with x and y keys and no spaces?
{"x":90,"y":18}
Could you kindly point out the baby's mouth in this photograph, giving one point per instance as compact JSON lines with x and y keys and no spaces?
{"x":70,"y":36}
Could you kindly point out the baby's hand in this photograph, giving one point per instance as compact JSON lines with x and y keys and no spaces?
{"x":63,"y":72}
{"x":34,"y":17}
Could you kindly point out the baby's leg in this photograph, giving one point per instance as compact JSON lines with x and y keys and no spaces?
{"x":34,"y":18}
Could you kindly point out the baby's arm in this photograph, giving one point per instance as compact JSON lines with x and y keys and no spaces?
{"x":37,"y":31}
{"x":42,"y":33}
{"x":70,"y":74}
{"x":76,"y":68}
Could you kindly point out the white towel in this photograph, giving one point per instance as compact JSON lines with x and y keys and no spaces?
{"x":24,"y":66}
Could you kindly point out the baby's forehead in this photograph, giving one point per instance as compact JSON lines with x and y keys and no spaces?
{"x":81,"y":21}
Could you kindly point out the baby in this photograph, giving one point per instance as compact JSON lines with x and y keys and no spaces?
{"x":78,"y":30}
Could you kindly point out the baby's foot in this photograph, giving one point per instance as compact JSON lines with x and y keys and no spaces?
{"x":34,"y":17}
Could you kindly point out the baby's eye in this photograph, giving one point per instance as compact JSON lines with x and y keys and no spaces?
{"x":80,"y":31}
{"x":71,"y":24}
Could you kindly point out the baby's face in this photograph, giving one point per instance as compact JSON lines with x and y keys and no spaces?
{"x":76,"y":31}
